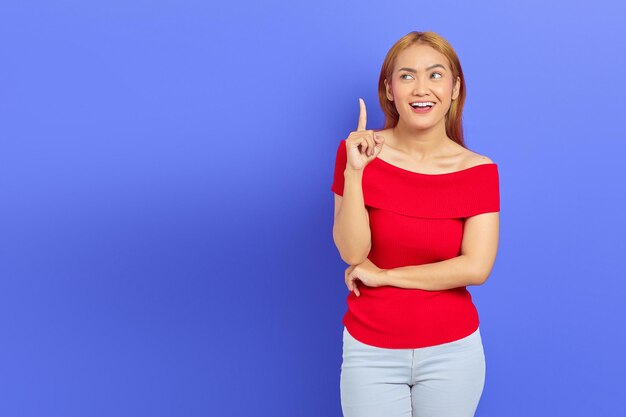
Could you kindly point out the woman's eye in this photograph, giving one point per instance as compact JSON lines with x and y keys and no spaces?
{"x":409,"y":75}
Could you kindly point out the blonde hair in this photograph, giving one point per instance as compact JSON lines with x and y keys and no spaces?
{"x":454,"y":124}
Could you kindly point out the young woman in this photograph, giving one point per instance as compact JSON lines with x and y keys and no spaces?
{"x":417,"y":220}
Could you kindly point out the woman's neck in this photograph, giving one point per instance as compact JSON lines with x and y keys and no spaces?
{"x":421,"y":144}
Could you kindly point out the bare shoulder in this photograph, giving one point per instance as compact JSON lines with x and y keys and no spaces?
{"x":471,"y":159}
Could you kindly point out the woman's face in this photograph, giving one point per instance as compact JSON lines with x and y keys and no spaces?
{"x":422,"y":74}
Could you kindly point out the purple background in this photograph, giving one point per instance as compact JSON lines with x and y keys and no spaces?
{"x":166,"y":215}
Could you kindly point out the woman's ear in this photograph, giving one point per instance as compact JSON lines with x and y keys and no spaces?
{"x":457,"y":88}
{"x":388,"y":91}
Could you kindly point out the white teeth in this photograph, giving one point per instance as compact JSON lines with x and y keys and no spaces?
{"x":424,"y":104}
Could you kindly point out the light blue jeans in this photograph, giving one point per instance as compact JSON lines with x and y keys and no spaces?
{"x":444,"y":380}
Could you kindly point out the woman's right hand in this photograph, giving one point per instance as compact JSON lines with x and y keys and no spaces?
{"x":362,"y":145}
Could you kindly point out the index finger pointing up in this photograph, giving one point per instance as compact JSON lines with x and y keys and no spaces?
{"x":362,"y":115}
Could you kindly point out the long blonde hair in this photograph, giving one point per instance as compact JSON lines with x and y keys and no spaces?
{"x":454,"y":123}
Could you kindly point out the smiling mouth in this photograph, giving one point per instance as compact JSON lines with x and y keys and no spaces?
{"x":422,"y":104}
{"x":422,"y":109}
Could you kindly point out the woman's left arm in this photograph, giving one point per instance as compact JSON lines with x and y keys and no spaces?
{"x":472,"y":267}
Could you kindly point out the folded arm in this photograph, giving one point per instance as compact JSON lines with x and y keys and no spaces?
{"x":472,"y":267}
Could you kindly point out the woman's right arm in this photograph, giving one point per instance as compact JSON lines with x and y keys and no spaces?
{"x":351,"y":229}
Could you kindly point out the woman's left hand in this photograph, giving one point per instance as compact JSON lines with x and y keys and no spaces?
{"x":366,"y":272}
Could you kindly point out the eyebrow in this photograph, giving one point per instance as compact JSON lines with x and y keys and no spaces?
{"x":414,"y":70}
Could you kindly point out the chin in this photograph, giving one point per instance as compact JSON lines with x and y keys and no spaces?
{"x":422,"y":126}
{"x":425,"y":124}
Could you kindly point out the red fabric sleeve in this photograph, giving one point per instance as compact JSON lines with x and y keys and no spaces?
{"x":490,"y":192}
{"x":340,"y":165}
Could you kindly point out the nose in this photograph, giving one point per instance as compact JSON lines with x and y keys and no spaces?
{"x":420,"y":87}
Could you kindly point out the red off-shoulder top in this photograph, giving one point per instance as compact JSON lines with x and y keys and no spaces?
{"x":415,"y":219}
